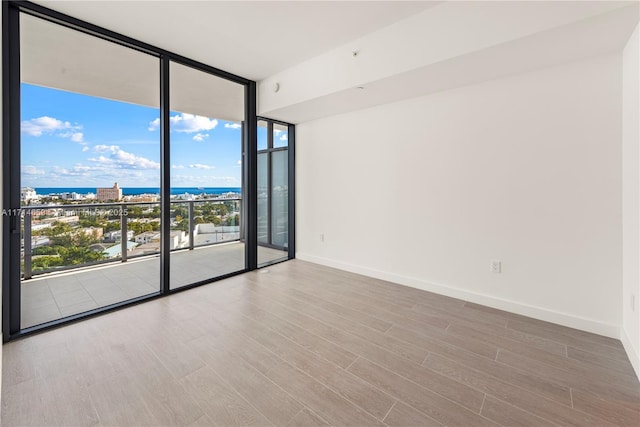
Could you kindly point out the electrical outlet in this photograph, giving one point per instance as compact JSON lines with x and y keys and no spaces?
{"x":495,"y":266}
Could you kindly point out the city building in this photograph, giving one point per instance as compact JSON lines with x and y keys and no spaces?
{"x":67,"y":219}
{"x":113,"y":236}
{"x":71,"y":196}
{"x":147,"y":237}
{"x":106,"y":194}
{"x":208,"y":233}
{"x":115,"y":251}
{"x":28,"y":194}
{"x":39,"y":241}
{"x":142,"y":198}
{"x":39,"y":225}
{"x":458,"y":243}
{"x":178,"y":239}
{"x":95,"y":232}
{"x":145,"y":249}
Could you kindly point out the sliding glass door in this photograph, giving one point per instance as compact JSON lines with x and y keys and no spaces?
{"x":207,"y":115}
{"x":89,"y":172}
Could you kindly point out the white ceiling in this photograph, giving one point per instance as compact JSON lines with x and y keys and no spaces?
{"x":55,"y":56}
{"x":306,"y":47}
{"x":310,"y":91}
{"x":253,"y":39}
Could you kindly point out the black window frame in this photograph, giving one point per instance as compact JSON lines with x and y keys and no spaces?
{"x":11,"y":298}
{"x":290,"y":148}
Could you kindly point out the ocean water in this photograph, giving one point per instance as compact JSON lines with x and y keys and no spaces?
{"x":134,"y":191}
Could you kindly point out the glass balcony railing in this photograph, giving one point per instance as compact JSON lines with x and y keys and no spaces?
{"x":64,"y":237}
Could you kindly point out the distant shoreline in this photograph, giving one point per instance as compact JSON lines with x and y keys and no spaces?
{"x":136,"y":191}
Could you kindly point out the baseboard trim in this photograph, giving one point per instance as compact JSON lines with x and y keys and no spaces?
{"x":564,"y":319}
{"x":632,"y":353}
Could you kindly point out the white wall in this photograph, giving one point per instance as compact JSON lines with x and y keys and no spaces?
{"x":524,"y":169}
{"x":631,"y":198}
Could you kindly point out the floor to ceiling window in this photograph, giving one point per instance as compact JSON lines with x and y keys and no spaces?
{"x":130,"y":172}
{"x":89,"y":172}
{"x":207,"y":113}
{"x":273,"y":190}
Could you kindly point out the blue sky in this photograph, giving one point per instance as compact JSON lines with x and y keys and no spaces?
{"x":74,"y":140}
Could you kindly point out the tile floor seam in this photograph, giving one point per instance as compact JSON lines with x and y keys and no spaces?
{"x":246,"y":399}
{"x":571,"y":396}
{"x":352,"y":362}
{"x":401,"y":375}
{"x":423,"y":386}
{"x":389,"y":411}
{"x":323,"y":384}
{"x":519,"y":387}
{"x":524,"y":410}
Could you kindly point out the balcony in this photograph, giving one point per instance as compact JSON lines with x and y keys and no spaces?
{"x":126,"y":268}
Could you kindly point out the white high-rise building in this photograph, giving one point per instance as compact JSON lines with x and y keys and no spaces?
{"x":27,"y":194}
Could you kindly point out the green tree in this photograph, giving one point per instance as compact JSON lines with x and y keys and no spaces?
{"x":60,"y":234}
{"x":182,"y":225}
{"x":180,"y":210}
{"x":82,"y":238}
{"x":112,"y":226}
{"x":230,"y":206}
{"x":134,"y":212}
{"x":233,"y":220}
{"x":44,"y":250}
{"x":75,"y":255}
{"x":45,"y":262}
{"x":140,"y":227}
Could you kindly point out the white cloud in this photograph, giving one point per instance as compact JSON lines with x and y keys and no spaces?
{"x":73,"y":136}
{"x":277,"y":131}
{"x":177,"y":166}
{"x":61,"y":170}
{"x":31,"y":170}
{"x":134,"y":141}
{"x":154,"y":125}
{"x":232,"y":125}
{"x":200,"y":137}
{"x":284,"y":137}
{"x":46,"y":125}
{"x":97,"y":175}
{"x":78,"y":170}
{"x":239,"y":163}
{"x":118,"y":158}
{"x":101,"y":148}
{"x":85,"y":148}
{"x":187,"y":123}
{"x":123,"y":158}
{"x":77,"y":137}
{"x":201,"y":166}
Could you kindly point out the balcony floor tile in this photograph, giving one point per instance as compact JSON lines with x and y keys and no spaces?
{"x":52,"y":296}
